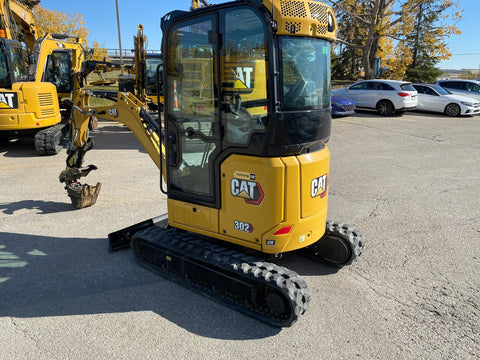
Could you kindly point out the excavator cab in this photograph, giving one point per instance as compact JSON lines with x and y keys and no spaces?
{"x":247,"y":116}
{"x":27,"y":107}
{"x":59,"y":72}
{"x":153,"y":62}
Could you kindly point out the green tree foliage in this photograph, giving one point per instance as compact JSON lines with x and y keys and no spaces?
{"x":347,"y":59}
{"x":424,"y":70}
{"x":398,"y":32}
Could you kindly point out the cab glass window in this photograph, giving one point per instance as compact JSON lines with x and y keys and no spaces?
{"x":305,"y":73}
{"x":58,"y":71}
{"x":191,"y":111}
{"x":151,"y":65}
{"x":18,"y":66}
{"x":190,"y":69}
{"x":244,"y":75}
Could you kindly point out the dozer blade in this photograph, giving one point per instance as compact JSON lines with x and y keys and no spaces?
{"x":120,"y":239}
{"x":270,"y":293}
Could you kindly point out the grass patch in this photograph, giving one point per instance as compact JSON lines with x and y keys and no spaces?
{"x":92,"y":77}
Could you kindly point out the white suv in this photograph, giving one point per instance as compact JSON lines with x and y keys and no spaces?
{"x":387,"y":96}
{"x":470,"y":88}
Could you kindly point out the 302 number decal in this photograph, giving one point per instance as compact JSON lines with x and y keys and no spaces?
{"x":243,"y":226}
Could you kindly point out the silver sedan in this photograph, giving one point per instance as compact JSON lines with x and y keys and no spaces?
{"x":438,"y":99}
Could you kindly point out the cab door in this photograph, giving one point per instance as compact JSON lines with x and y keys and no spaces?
{"x":192,"y":135}
{"x":244,"y":72}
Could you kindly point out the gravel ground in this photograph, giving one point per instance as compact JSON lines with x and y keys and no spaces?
{"x":409,"y":183}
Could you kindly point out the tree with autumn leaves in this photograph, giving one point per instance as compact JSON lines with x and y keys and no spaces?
{"x":48,"y":21}
{"x":406,"y":37}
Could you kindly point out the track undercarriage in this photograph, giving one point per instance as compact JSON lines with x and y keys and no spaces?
{"x":263,"y":290}
{"x":49,"y":141}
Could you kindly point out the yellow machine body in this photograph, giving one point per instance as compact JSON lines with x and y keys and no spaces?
{"x":270,"y":204}
{"x":273,"y":204}
{"x":35,"y":106}
{"x":307,"y":18}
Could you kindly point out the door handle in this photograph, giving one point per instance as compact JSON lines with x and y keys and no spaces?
{"x":173,"y":158}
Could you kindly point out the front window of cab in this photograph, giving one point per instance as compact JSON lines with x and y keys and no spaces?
{"x":305,"y":80}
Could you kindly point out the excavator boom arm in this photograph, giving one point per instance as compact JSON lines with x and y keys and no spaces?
{"x":129,"y":111}
{"x":13,"y":13}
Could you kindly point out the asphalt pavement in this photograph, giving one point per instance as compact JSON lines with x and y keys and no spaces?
{"x":410,"y":184}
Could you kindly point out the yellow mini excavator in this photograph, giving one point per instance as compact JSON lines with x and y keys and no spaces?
{"x":242,"y":154}
{"x":35,"y":78}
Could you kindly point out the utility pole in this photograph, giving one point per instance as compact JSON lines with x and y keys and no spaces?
{"x":119,"y":39}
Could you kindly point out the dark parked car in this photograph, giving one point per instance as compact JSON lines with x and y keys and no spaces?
{"x":342,"y":106}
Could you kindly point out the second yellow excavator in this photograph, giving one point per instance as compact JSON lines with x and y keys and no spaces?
{"x":35,"y":77}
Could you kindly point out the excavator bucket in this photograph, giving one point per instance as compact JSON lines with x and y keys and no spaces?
{"x":83,"y":195}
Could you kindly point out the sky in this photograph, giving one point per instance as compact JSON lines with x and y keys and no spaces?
{"x":101,"y":19}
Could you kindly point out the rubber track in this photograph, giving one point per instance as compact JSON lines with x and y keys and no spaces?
{"x":233,"y":269}
{"x":351,"y":235}
{"x":48,"y":141}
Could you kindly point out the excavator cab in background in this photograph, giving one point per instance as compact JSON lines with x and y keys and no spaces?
{"x":28,"y":107}
{"x":60,"y":60}
{"x":153,"y":83}
{"x":242,"y":154}
{"x":35,"y":79}
{"x":53,"y":74}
